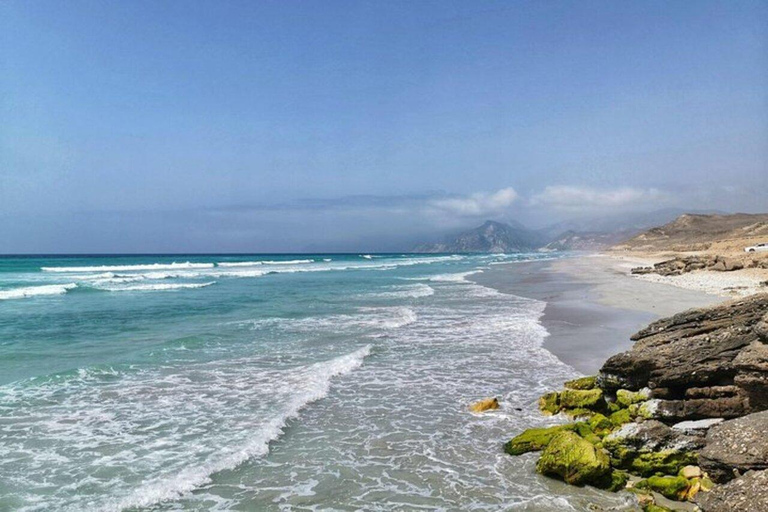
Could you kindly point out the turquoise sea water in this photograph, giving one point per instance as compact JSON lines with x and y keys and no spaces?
{"x":279,"y":382}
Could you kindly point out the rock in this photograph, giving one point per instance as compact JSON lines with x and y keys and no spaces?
{"x":698,"y":427}
{"x":651,"y":447}
{"x":625,"y":398}
{"x":702,"y":363}
{"x":535,"y":439}
{"x":487,"y":404}
{"x":574,"y":460}
{"x":573,"y":402}
{"x":737,"y":445}
{"x":746,"y":493}
{"x":582,"y":383}
{"x":691,"y":472}
{"x":672,"y":487}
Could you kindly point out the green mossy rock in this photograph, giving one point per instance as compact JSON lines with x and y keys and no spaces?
{"x":620,"y":417}
{"x":586,"y":432}
{"x":600,"y":425}
{"x":535,"y":439}
{"x":583,"y":383}
{"x":672,"y":487}
{"x":613,"y":407}
{"x":652,"y":507}
{"x":574,"y":460}
{"x":550,"y":403}
{"x":573,"y":402}
{"x":590,"y":399}
{"x":625,"y":398}
{"x":618,"y":481}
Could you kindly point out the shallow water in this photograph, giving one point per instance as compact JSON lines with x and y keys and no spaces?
{"x":269,"y":383}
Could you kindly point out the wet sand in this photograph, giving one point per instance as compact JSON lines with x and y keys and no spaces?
{"x":593,"y":305}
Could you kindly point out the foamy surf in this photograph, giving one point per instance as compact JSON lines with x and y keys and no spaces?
{"x":158,"y":287}
{"x":316,"y":385}
{"x":36,"y":291}
{"x":129,"y":268}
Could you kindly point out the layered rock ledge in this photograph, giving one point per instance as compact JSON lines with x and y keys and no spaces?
{"x":702,"y":363}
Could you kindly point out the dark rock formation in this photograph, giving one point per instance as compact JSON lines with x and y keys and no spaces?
{"x":738,"y":445}
{"x":494,"y":237}
{"x":748,"y":493}
{"x":702,"y":363}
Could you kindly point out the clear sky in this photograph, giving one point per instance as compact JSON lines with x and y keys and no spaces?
{"x":172,"y":126}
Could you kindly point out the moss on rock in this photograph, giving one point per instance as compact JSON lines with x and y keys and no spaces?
{"x":620,"y":417}
{"x":672,"y":487}
{"x":535,"y":439}
{"x":574,"y":460}
{"x":550,"y":403}
{"x":625,"y":398}
{"x":600,"y":425}
{"x":582,"y":383}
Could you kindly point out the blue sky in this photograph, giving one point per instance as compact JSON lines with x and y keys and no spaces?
{"x":179,"y":126}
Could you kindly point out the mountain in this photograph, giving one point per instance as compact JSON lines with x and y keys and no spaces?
{"x":586,"y":240}
{"x":494,"y":237}
{"x":690,"y":232}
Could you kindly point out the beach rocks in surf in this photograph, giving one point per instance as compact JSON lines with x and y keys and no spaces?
{"x":574,"y":460}
{"x":735,"y":447}
{"x":702,"y":363}
{"x":487,"y":404}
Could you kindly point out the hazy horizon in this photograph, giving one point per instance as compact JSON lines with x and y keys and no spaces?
{"x":242,"y":127}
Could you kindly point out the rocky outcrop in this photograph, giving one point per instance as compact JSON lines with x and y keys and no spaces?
{"x":746,"y":493}
{"x":683,"y":264}
{"x":735,"y":447}
{"x":651,"y":447}
{"x":575,"y":460}
{"x":702,"y":363}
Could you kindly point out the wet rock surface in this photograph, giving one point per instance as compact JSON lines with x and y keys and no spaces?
{"x":702,"y":363}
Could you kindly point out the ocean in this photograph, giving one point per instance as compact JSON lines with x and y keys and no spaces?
{"x":271,"y":382}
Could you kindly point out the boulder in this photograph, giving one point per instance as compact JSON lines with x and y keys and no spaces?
{"x":575,"y":460}
{"x":702,"y":363}
{"x":574,"y":402}
{"x":582,"y":383}
{"x":672,"y":487}
{"x":651,"y":447}
{"x":487,"y":404}
{"x":736,"y":446}
{"x":535,"y":439}
{"x":748,"y":493}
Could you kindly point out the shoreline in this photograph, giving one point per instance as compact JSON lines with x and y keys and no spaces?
{"x":593,"y":305}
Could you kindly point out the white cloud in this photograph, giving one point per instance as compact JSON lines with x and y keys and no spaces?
{"x":475,"y":205}
{"x":578,"y":198}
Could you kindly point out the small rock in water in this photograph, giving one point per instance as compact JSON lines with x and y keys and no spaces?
{"x":487,"y":404}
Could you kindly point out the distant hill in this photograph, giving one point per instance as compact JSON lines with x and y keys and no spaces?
{"x":691,"y":232}
{"x":493,"y":237}
{"x":586,"y":240}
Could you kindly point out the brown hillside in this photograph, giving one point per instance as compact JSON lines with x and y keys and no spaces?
{"x":723,"y":233}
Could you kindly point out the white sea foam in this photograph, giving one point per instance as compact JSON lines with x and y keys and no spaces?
{"x":123,"y":268}
{"x":458,"y":277}
{"x":158,"y":287}
{"x":409,"y":291}
{"x":315,"y":384}
{"x":366,"y":256}
{"x":36,"y":291}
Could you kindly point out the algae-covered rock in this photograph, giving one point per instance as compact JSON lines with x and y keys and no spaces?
{"x":591,"y":399}
{"x":650,"y":448}
{"x":550,"y":403}
{"x":600,"y":425}
{"x":625,"y":398}
{"x":582,"y":383}
{"x":574,"y":402}
{"x":672,"y":487}
{"x":620,"y":417}
{"x":652,"y":507}
{"x":487,"y":404}
{"x":618,"y":480}
{"x":574,"y":460}
{"x":535,"y":439}
{"x":586,"y":432}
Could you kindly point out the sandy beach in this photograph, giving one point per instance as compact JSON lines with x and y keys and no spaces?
{"x":593,"y":304}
